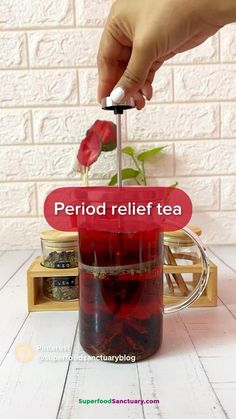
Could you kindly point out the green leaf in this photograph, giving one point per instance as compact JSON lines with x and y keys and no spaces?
{"x":149,"y":153}
{"x":173,"y":185}
{"x":128,"y":150}
{"x":126,"y":174}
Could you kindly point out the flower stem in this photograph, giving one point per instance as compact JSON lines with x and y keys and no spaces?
{"x":141,"y":171}
{"x":85,"y":176}
{"x":136,"y":164}
{"x":144,"y":174}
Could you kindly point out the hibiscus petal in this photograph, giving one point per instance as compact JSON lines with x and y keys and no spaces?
{"x":107,"y":132}
{"x":90,"y":149}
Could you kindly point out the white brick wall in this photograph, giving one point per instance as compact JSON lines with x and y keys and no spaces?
{"x":17,"y":14}
{"x":15,"y":126}
{"x":228,"y":120}
{"x":174,"y":122}
{"x":13,"y":50}
{"x":59,"y":48}
{"x":48,"y":80}
{"x":38,"y":88}
{"x":17,"y":199}
{"x":65,"y":125}
{"x":206,"y":83}
{"x":35,"y":162}
{"x":92,"y":12}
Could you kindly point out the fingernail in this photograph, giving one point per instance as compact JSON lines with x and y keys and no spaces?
{"x":117,"y":94}
{"x":145,"y":96}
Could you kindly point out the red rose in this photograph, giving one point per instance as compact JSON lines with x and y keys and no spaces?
{"x":107,"y":133}
{"x":90,"y":149}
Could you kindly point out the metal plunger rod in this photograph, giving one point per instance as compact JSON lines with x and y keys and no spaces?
{"x":118,"y":109}
{"x":119,"y":150}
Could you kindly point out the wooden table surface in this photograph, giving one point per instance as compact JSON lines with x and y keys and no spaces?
{"x":193,"y":375}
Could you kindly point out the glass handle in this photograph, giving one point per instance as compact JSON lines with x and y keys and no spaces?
{"x":196,"y":293}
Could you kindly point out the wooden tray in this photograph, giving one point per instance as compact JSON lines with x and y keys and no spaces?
{"x":38,"y":302}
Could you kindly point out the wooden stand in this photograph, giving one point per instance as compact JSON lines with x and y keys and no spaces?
{"x":208,"y":297}
{"x":38,"y":302}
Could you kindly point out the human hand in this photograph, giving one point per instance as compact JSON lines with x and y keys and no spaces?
{"x":139,"y":36}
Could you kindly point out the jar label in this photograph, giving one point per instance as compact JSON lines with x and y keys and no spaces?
{"x":65,"y":281}
{"x":62,"y":265}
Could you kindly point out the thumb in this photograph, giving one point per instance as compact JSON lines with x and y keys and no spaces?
{"x":134,"y":76}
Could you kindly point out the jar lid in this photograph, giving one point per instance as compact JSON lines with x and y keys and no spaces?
{"x":180,"y":237}
{"x":59,"y":236}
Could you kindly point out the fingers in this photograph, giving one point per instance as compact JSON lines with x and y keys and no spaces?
{"x":124,"y":64}
{"x":109,"y":73}
{"x":147,"y":90}
{"x":139,"y":100}
{"x":134,"y":76}
{"x":125,"y":69}
{"x":113,"y":55}
{"x":132,"y":51}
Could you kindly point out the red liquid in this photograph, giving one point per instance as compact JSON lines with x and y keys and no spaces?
{"x":121,"y":295}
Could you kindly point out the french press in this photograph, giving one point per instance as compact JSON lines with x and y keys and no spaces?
{"x":121,"y":282}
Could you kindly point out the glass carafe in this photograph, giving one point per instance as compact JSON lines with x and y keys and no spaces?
{"x":121,"y":291}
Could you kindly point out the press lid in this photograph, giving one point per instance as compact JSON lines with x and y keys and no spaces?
{"x":59,"y":236}
{"x":180,"y":237}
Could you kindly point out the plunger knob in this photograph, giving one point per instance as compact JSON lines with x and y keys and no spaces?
{"x":118,"y":108}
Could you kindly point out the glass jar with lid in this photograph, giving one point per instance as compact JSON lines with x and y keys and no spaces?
{"x":181,"y":250}
{"x":61,"y":288}
{"x":59,"y":249}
